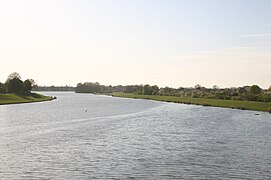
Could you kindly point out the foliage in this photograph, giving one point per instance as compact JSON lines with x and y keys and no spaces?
{"x":133,"y":89}
{"x":14,"y":84}
{"x":1,"y":88}
{"x":89,"y":87}
{"x":27,"y":85}
{"x":236,"y":104}
{"x":146,"y":90}
{"x":53,"y":88}
{"x":13,"y":76}
{"x":246,"y":93}
{"x":251,"y":93}
{"x":255,"y":89}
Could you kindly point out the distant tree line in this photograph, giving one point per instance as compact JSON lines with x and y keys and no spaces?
{"x":53,"y":88}
{"x":249,"y":93}
{"x":90,"y":87}
{"x":14,"y":84}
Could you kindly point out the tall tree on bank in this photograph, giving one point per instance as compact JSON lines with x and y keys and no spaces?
{"x":13,"y":75}
{"x":14,"y":84}
{"x":146,"y":89}
{"x":255,"y":89}
{"x":28,"y":85}
{"x":1,"y":87}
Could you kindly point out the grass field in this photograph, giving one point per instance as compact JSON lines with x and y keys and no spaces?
{"x":16,"y":98}
{"x":236,"y":104}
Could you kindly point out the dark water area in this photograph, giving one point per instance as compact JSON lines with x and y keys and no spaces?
{"x":84,"y":136}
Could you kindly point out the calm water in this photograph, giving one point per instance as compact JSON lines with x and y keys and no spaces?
{"x":83,"y":136}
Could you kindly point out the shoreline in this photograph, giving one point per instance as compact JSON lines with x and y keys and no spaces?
{"x":233,"y":104}
{"x":10,"y":98}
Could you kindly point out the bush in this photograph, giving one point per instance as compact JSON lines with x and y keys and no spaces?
{"x":264,"y":98}
{"x":255,"y":89}
{"x":206,"y":104}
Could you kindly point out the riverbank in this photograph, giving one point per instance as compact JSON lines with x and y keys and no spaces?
{"x":17,"y":98}
{"x":235,"y":104}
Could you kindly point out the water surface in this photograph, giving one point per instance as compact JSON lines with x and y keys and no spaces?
{"x":84,"y":136}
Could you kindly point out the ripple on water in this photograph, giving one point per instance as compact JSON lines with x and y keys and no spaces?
{"x":131,"y":139}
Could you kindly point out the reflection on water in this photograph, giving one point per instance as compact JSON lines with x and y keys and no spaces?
{"x":83,"y":136}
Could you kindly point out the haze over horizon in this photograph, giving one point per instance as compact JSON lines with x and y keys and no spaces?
{"x":167,"y":43}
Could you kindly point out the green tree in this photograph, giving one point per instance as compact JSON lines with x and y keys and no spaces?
{"x":28,"y":85}
{"x":255,"y":89}
{"x":15,"y":85}
{"x":154,"y":90}
{"x":132,"y":89}
{"x":241,"y":90}
{"x":1,"y":87}
{"x":96,"y":87}
{"x":215,"y":87}
{"x":89,"y":87}
{"x":146,"y":89}
{"x":13,"y":75}
{"x":197,"y":87}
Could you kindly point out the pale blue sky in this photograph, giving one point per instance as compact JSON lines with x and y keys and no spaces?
{"x":164,"y":42}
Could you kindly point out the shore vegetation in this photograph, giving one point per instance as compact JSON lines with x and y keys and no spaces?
{"x":235,"y":104}
{"x":247,"y":97}
{"x":15,"y":90}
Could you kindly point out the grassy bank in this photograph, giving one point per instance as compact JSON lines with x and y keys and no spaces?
{"x":236,"y":104}
{"x":17,"y":98}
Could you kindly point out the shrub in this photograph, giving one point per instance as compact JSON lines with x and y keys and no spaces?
{"x":206,"y":104}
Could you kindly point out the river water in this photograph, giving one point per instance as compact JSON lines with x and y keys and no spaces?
{"x":85,"y":136}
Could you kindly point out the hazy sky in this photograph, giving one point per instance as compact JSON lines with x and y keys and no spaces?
{"x":164,"y":42}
